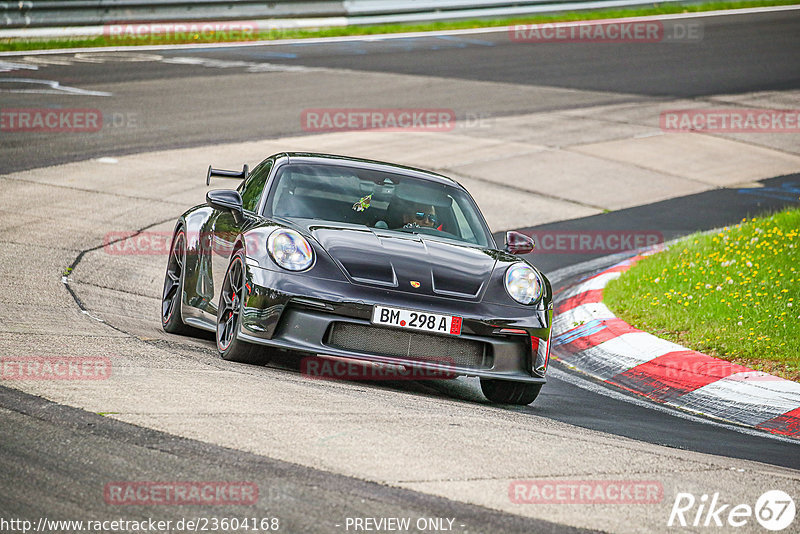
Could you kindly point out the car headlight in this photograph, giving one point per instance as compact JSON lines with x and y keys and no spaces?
{"x":523,"y":283}
{"x":290,"y":250}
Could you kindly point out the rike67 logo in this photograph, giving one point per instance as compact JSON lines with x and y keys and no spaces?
{"x":774,"y":510}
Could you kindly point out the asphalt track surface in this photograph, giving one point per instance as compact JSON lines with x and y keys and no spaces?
{"x":54,"y":451}
{"x":51,"y":450}
{"x":180,"y":105}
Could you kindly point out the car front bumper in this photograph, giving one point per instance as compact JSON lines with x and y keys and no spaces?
{"x":330,"y":317}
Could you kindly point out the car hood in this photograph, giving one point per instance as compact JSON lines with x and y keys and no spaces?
{"x":401,"y":260}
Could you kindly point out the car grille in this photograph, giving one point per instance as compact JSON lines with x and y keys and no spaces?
{"x":447,"y":350}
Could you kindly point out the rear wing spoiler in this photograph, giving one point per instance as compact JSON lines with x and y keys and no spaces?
{"x":242,"y":175}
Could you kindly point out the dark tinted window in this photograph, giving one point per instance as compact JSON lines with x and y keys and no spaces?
{"x":254,"y":186}
{"x":381,"y":200}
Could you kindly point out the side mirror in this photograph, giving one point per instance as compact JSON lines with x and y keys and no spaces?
{"x":226,"y":200}
{"x":517,"y":243}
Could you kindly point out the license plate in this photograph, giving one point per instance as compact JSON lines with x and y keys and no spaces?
{"x":416,"y":320}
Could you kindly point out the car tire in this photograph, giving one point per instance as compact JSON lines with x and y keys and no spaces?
{"x":508,"y":392}
{"x":172,"y":295}
{"x":229,"y":317}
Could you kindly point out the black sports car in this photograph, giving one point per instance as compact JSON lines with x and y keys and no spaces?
{"x":359,"y":259}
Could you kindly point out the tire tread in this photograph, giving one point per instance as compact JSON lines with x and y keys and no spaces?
{"x":509,"y":392}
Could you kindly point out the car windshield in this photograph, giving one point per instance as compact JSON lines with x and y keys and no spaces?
{"x":381,"y":200}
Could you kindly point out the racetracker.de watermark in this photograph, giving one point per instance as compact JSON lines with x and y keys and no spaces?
{"x":137,"y":243}
{"x":594,"y":242}
{"x":160,"y":243}
{"x":212,"y":493}
{"x":609,"y":31}
{"x":237,"y":30}
{"x":586,"y":492}
{"x":685,"y":366}
{"x":54,"y":368}
{"x":731,"y":120}
{"x":339,"y":369}
{"x":64,"y":120}
{"x":392,"y":119}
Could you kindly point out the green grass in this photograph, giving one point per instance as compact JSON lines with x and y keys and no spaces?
{"x":732,"y":294}
{"x":655,"y":9}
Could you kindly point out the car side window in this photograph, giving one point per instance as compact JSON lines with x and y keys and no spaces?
{"x":465,"y":231}
{"x":254,"y":186}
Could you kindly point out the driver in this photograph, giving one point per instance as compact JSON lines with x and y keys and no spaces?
{"x":417,"y":215}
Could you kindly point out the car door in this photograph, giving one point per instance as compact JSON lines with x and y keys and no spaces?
{"x":225,"y":229}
